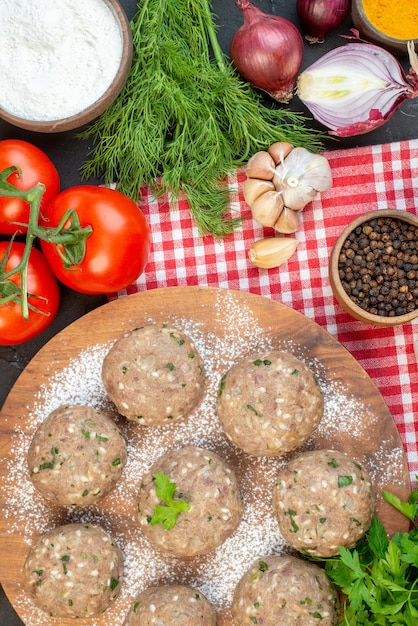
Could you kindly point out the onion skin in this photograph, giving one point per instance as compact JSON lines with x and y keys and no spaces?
{"x":319,"y":17}
{"x":267,"y":51}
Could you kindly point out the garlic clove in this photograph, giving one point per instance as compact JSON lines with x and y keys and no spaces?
{"x":261,"y":165}
{"x":288,"y":221}
{"x":272,"y":251}
{"x":266,"y":208}
{"x":253,"y":188}
{"x":296,"y":198}
{"x":279,"y":151}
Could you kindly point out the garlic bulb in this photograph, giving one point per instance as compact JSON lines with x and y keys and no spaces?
{"x":272,"y":251}
{"x":282,"y":181}
{"x":301,"y":176}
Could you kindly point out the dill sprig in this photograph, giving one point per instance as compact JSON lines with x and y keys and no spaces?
{"x":185,"y":119}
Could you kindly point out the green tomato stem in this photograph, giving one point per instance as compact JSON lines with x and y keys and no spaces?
{"x":71,"y":241}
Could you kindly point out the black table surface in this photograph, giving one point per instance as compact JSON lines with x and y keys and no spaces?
{"x":68,"y":154}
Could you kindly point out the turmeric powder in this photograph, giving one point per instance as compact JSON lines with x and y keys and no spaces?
{"x":395,"y":18}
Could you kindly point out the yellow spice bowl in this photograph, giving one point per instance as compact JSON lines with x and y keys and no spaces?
{"x":334,"y":274}
{"x":371,"y":33}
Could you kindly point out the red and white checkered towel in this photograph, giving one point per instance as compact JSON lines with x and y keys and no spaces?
{"x":364,"y":179}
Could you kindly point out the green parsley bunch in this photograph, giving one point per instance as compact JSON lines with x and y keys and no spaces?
{"x":380,"y":576}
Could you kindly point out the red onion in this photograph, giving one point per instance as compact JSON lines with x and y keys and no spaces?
{"x":267,"y":51}
{"x":357,"y":87}
{"x":318,"y":17}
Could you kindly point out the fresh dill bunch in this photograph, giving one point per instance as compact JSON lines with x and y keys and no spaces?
{"x":184,"y":119}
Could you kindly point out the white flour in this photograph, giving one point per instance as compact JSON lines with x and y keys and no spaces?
{"x":57,"y":57}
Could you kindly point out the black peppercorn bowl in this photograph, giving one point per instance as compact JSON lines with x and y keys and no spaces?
{"x":373,"y":267}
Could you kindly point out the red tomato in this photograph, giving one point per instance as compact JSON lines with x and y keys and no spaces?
{"x":117,"y":249}
{"x":36,"y":168}
{"x":42,"y":283}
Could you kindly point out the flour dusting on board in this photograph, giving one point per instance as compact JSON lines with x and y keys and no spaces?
{"x":216,"y":574}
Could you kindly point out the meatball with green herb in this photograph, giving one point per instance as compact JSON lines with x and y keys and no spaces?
{"x":269,"y":403}
{"x":154,"y":375}
{"x":285,"y":590}
{"x":176,"y":605}
{"x":74,"y":571}
{"x":323,"y":499}
{"x":77,"y":455}
{"x":189,"y":502}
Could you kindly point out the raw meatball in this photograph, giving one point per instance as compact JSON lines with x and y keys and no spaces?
{"x":175,"y":604}
{"x":154,"y":375}
{"x":76,"y":455}
{"x":284,"y":590}
{"x":74,"y":571}
{"x":269,"y":403}
{"x":323,"y":499}
{"x":208,"y":485}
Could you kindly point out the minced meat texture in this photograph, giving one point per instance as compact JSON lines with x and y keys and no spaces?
{"x":74,"y":570}
{"x":77,"y":455}
{"x":269,"y":403}
{"x":323,"y":499}
{"x":284,"y":591}
{"x":176,"y":605}
{"x":154,"y":375}
{"x":209,"y":487}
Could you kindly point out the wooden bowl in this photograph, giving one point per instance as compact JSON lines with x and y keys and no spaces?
{"x":371,"y":33}
{"x":341,"y":295}
{"x":103,"y":102}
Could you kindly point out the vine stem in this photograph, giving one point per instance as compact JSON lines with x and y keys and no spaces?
{"x":74,"y":236}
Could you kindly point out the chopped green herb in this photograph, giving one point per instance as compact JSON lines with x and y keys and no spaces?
{"x":344,"y":481}
{"x":178,"y":340}
{"x":191,"y":355}
{"x":333,"y":463}
{"x":322,"y":520}
{"x":222,"y":385}
{"x":114,"y":582}
{"x":86,"y":434}
{"x":170,"y":366}
{"x":256,"y":605}
{"x":167,"y":515}
{"x":295,"y":372}
{"x":102,"y":438}
{"x":64,"y":559}
{"x":124,"y":369}
{"x":251,"y":408}
{"x":253,"y":620}
{"x":85,"y":493}
{"x":262,"y":566}
{"x":116,"y":462}
{"x":70,"y":602}
{"x":48,"y":465}
{"x":135,"y":607}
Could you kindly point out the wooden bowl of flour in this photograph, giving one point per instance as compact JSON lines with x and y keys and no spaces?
{"x":66,"y":65}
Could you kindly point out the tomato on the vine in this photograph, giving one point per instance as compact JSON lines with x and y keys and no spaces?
{"x":43,"y":296}
{"x":117,"y":249}
{"x":36,"y":167}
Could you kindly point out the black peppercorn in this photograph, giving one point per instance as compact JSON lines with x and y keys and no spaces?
{"x":378,"y":266}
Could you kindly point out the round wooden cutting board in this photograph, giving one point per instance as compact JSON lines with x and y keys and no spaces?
{"x":225,"y":325}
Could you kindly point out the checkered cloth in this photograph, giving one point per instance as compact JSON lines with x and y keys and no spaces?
{"x":364,"y":179}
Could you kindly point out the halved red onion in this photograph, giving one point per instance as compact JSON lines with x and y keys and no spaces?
{"x":357,"y":87}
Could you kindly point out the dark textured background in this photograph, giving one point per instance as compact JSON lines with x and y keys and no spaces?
{"x":68,"y":154}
